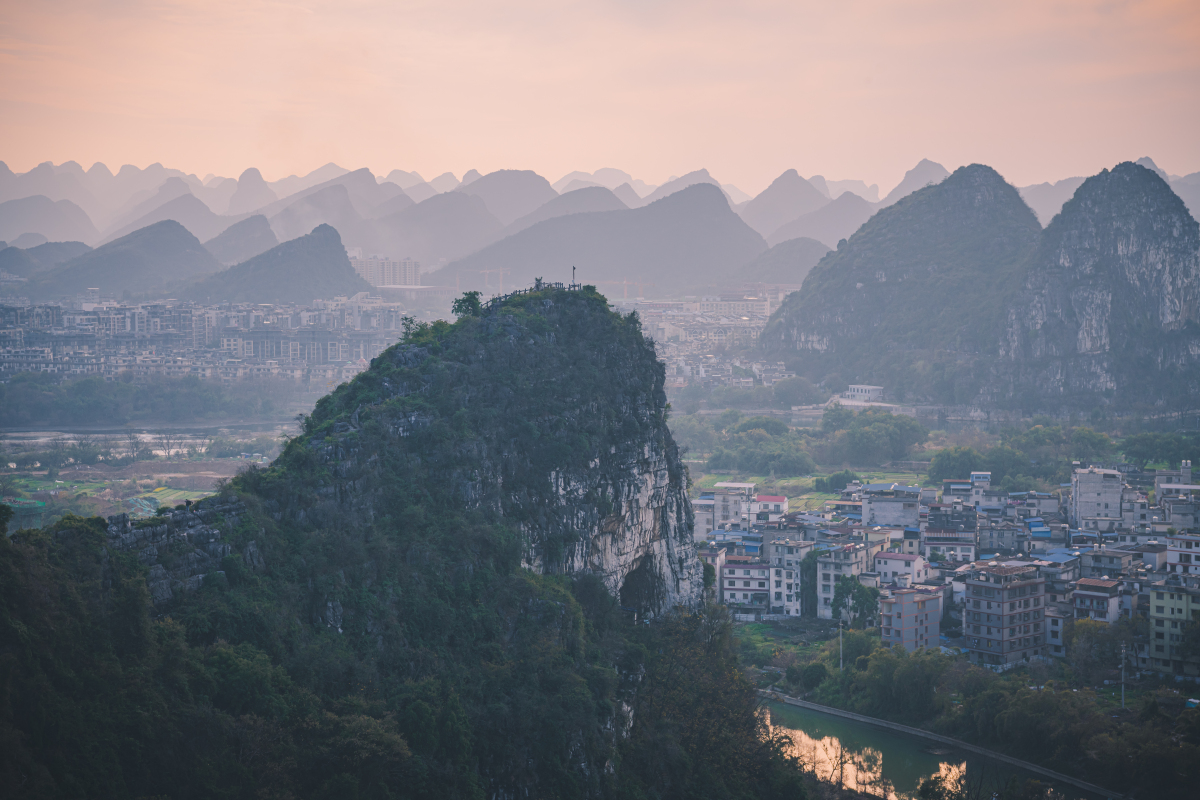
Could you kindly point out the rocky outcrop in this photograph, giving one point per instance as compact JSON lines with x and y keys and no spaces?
{"x":545,"y":415}
{"x":182,"y":548}
{"x":1110,"y":307}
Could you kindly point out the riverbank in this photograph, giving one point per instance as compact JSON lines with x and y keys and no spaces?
{"x":1092,"y":791}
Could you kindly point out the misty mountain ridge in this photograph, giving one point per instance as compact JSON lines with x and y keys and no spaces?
{"x":925,"y":173}
{"x":446,"y":226}
{"x":829,"y":224}
{"x":242,"y":241}
{"x":297,"y":271}
{"x":252,"y":193}
{"x":22,"y":262}
{"x":147,"y":262}
{"x":789,"y":196}
{"x":186,"y":209}
{"x":57,"y":220}
{"x":786,"y":263}
{"x":691,"y":237}
{"x":510,"y":193}
{"x":580,"y":201}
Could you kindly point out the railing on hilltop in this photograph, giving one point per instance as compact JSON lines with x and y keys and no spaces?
{"x":537,"y":287}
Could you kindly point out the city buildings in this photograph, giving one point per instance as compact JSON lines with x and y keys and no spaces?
{"x":910,"y":617}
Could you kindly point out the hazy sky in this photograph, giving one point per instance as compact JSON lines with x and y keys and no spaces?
{"x":1039,"y":89}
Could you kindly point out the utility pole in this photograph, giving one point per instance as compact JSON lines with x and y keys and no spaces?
{"x":841,"y":665}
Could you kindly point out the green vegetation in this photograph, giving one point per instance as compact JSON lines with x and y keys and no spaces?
{"x":782,"y":395}
{"x":858,"y":602}
{"x":964,"y":240}
{"x":767,"y":446}
{"x":40,"y":399}
{"x":393,"y":644}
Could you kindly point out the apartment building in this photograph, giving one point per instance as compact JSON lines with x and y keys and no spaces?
{"x":1095,"y":498}
{"x":746,"y":583}
{"x":1174,"y":603}
{"x":847,"y":560}
{"x":1003,"y":614}
{"x":910,"y":618}
{"x":1183,"y":553}
{"x":895,"y":567}
{"x":1097,"y":599}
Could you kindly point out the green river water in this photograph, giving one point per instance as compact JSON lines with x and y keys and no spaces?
{"x":887,"y":763}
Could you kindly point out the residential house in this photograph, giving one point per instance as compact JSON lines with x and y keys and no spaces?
{"x":892,"y":567}
{"x":766,"y":508}
{"x":1097,"y":599}
{"x":1095,"y":498}
{"x":1105,"y":562}
{"x":704,"y":517}
{"x":1003,"y":614}
{"x":746,"y":583}
{"x":910,"y":617}
{"x":1174,"y":603}
{"x":1183,"y":553}
{"x":847,"y":560}
{"x":891,"y":504}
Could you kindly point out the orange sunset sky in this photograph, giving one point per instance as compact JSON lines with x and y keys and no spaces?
{"x":1041,"y":89}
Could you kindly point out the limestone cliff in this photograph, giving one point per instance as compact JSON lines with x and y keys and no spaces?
{"x":1110,"y":306}
{"x":546,"y":413}
{"x":916,"y":295}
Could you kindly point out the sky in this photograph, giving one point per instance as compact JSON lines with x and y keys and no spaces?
{"x":1039,"y":89}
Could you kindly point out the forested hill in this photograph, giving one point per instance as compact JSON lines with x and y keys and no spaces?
{"x":956,"y":295}
{"x":931,"y":275}
{"x":424,"y":596}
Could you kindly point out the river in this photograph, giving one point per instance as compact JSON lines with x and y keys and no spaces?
{"x":886,"y":763}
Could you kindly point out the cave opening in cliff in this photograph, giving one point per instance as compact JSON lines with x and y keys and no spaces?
{"x":643,"y":590}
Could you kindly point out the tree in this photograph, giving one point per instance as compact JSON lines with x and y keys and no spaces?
{"x":1088,"y":445}
{"x":836,"y":418}
{"x":468,"y":305}
{"x":1003,"y":461}
{"x":814,"y":675}
{"x":855,"y":600}
{"x":955,"y":462}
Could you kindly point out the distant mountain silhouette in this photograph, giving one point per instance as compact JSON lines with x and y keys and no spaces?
{"x":292,"y":184}
{"x":828,"y":224}
{"x":562,"y":183}
{"x":677,"y":184}
{"x":1188,"y":189}
{"x":330,"y":205}
{"x":1148,"y":163}
{"x":628,"y":195}
{"x":580,"y":201}
{"x":789,"y":196}
{"x":28,"y":240}
{"x":18,"y":261}
{"x":404,"y":179}
{"x":446,"y":226}
{"x":145,"y":205}
{"x":242,"y":240}
{"x":577,"y":184}
{"x":252,"y":193}
{"x":297,"y":271}
{"x":1046,"y":199}
{"x":787,"y":262}
{"x":393,"y":205}
{"x":510,"y":193}
{"x":47,"y":181}
{"x":420,"y":192}
{"x":920,"y":176}
{"x":363,"y":191}
{"x":150,"y":261}
{"x":471,"y":176}
{"x":57,"y":220}
{"x":834,"y":189}
{"x":188,"y":210}
{"x":735,"y":195}
{"x":444,"y":183}
{"x":689,"y":238}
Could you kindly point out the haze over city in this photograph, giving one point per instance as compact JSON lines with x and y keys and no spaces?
{"x":600,"y":400}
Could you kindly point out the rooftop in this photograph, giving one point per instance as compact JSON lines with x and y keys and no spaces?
{"x":899,"y":556}
{"x":1096,"y":583}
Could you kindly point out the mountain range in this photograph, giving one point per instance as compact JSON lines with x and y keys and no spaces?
{"x":691,"y":237}
{"x":955,"y":294}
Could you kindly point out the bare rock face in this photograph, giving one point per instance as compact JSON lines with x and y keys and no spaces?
{"x":182,"y":548}
{"x":1111,"y":300}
